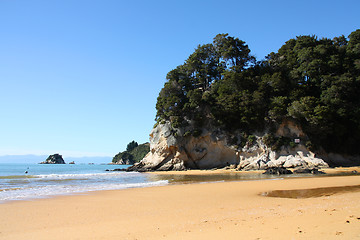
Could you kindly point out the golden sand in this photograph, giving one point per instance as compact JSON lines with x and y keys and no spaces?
{"x":223,"y":210}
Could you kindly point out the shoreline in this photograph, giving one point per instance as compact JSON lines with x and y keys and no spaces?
{"x":190,"y":211}
{"x":205,"y":176}
{"x":216,"y":171}
{"x":232,"y":175}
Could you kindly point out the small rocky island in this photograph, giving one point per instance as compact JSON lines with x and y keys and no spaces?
{"x":54,"y":159}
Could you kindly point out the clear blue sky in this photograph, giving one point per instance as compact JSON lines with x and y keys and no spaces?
{"x":81,"y":77}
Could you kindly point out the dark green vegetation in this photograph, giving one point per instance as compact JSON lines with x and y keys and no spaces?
{"x":314,"y":82}
{"x":134,"y":153}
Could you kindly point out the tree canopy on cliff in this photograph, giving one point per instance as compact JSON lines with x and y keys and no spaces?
{"x":312,"y":81}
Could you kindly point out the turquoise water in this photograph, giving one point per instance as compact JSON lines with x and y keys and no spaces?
{"x":29,"y":181}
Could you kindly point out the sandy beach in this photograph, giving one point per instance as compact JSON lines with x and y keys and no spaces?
{"x":221,"y":210}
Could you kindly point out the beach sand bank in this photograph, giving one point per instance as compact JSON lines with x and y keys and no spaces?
{"x":222,"y":210}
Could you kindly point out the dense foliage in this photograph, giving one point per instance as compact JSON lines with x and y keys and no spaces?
{"x":131,"y":145}
{"x":312,"y":81}
{"x":134,"y":152}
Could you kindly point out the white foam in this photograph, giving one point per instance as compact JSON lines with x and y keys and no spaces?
{"x":88,"y":175}
{"x":53,"y":190}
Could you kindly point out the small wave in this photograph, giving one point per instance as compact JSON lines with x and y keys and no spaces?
{"x":9,"y":189}
{"x":53,"y":190}
{"x":87,"y":175}
{"x":18,"y":176}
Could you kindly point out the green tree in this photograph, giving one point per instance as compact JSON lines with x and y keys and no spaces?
{"x":134,"y":153}
{"x":233,"y":53}
{"x":187,"y":87}
{"x":131,"y":145}
{"x":312,"y":81}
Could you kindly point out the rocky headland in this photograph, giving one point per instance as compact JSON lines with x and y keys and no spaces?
{"x":297,"y":108}
{"x":171,"y":149}
{"x":54,"y":159}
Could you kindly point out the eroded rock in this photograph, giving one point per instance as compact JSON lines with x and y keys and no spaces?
{"x":173,"y":150}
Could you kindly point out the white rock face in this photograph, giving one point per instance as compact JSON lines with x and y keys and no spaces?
{"x":210,"y":150}
{"x":298,"y":157}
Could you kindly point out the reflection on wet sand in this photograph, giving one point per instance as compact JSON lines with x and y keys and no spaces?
{"x":194,"y":176}
{"x":200,"y":178}
{"x":311,"y":193}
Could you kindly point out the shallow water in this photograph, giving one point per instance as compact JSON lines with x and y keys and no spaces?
{"x":29,"y":181}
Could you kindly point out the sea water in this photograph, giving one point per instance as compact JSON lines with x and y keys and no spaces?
{"x":29,"y":181}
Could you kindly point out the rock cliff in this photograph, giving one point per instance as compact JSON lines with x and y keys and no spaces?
{"x":54,"y":159}
{"x":172,"y":149}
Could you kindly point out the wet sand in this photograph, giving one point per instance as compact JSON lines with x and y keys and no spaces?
{"x":312,"y":192}
{"x":222,"y":210}
{"x":196,"y":176}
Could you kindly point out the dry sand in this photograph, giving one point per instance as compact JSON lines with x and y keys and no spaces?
{"x":225,"y":210}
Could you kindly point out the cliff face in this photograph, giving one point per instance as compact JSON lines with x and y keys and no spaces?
{"x":171,"y":150}
{"x":168,"y":152}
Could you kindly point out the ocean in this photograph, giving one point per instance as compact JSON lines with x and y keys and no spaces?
{"x":19,"y":181}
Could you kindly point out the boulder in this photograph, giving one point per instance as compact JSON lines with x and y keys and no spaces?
{"x":116,"y":170}
{"x":277,"y":171}
{"x":302,"y":170}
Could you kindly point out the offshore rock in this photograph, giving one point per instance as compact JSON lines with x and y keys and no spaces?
{"x":116,"y":170}
{"x":54,"y":159}
{"x":173,"y":149}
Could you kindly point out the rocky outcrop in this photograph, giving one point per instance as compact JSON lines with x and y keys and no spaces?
{"x":308,"y":170}
{"x":262,"y":157}
{"x":124,"y":162}
{"x":116,"y":170}
{"x":173,"y":149}
{"x":277,"y":171}
{"x":54,"y":159}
